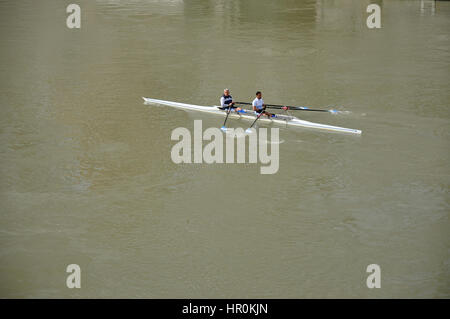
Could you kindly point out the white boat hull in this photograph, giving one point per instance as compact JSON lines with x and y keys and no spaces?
{"x":280,"y":119}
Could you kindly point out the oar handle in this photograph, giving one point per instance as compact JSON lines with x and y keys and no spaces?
{"x":297,"y":108}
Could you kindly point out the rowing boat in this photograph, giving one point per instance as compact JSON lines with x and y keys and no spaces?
{"x":247,"y":115}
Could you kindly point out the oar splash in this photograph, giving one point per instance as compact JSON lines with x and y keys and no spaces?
{"x":249,"y":130}
{"x":224,"y":128}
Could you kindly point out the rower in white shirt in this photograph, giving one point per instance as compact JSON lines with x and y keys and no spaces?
{"x":259,"y":106}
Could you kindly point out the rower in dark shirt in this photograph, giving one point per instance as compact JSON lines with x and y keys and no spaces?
{"x":226,"y":101}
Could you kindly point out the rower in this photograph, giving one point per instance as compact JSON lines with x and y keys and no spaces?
{"x":226,"y":102}
{"x":259,"y":106}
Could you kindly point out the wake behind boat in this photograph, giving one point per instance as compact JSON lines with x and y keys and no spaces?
{"x":248,"y":115}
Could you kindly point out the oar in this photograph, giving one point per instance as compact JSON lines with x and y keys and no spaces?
{"x":249,"y":130}
{"x":296,"y":108}
{"x":224,"y":128}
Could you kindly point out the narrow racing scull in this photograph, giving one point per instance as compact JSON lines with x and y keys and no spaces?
{"x":249,"y":115}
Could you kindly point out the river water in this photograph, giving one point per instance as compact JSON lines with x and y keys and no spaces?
{"x":86,"y":175}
